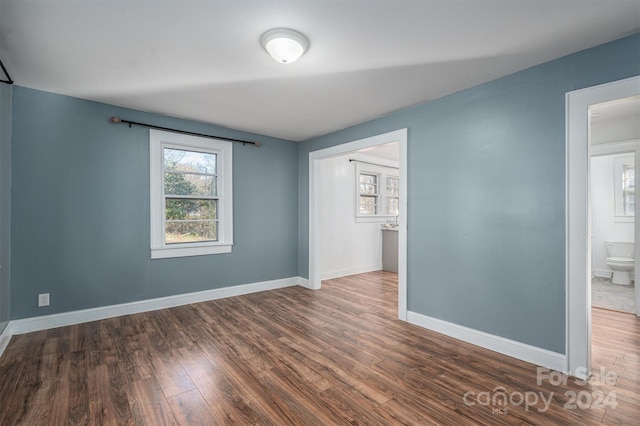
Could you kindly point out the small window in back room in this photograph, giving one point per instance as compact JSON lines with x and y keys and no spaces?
{"x":377,"y":191}
{"x":368,"y":190}
{"x":393,"y":195}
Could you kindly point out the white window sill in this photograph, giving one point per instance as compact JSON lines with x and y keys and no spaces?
{"x":624,"y":219}
{"x":182,"y":251}
{"x":374,"y":219}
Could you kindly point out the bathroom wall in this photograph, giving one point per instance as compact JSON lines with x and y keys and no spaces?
{"x":604,"y":226}
{"x":346,"y":247}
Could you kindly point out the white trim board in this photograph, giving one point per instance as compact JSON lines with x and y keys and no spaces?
{"x":578,"y":262}
{"x":601,"y":273}
{"x":5,"y":337}
{"x":303,"y":282}
{"x":46,"y":322}
{"x":512,"y":348}
{"x":351,"y":271}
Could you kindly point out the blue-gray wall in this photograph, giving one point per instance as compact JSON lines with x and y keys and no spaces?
{"x":80,"y":209}
{"x":5,"y":203}
{"x":486,"y":177}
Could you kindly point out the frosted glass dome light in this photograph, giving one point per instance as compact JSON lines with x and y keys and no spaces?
{"x":284,"y":45}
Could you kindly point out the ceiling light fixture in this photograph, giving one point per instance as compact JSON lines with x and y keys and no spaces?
{"x":284,"y":45}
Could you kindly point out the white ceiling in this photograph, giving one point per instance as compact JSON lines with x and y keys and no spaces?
{"x":613,"y":110}
{"x":203,"y":60}
{"x":615,"y":121}
{"x":388,"y":151}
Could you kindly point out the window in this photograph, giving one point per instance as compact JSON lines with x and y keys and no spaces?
{"x":393,"y":195}
{"x":191,"y":195}
{"x":629,"y":190}
{"x":378,"y":192}
{"x":368,"y":194}
{"x":624,"y":188}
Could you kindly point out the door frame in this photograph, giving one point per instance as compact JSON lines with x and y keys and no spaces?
{"x":315,"y":179}
{"x":578,"y":263}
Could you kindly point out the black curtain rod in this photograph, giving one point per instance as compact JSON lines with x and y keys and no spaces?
{"x":4,"y":70}
{"x":373,"y":164}
{"x":117,"y":120}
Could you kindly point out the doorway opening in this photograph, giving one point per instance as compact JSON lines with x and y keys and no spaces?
{"x":578,"y":246}
{"x":612,"y":241}
{"x":397,"y":138}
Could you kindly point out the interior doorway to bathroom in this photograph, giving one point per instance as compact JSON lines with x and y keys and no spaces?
{"x":578,"y":241}
{"x":614,"y":147}
{"x":612,"y":190}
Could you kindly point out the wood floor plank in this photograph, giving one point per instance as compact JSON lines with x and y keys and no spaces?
{"x":78,"y":388}
{"x":294,"y":356}
{"x":101,"y":406}
{"x":148,"y":404}
{"x":189,"y":408}
{"x":298,"y":401}
{"x":225,"y":400}
{"x":166,"y":369}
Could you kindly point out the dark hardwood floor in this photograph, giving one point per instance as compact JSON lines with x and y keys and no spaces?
{"x":295,"y":356}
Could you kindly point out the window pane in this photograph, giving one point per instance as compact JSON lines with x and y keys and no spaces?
{"x":392,"y":205}
{"x":190,"y":184}
{"x":366,"y":188}
{"x":368,"y":205}
{"x":393,"y":186}
{"x":189,"y":161}
{"x":629,"y":210}
{"x":629,"y":203}
{"x":365,"y":178}
{"x":628,"y":191}
{"x":190,"y":209}
{"x":191,"y":232}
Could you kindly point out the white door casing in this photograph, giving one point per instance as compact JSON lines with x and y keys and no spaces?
{"x":315,"y":157}
{"x":578,"y":268}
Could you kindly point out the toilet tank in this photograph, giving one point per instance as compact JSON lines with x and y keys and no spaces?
{"x":621,"y":249}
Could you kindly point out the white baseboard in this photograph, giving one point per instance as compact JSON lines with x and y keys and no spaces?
{"x":512,"y":348}
{"x":304,"y":282}
{"x":28,"y":325}
{"x":5,"y":337}
{"x":350,"y":271}
{"x":602,"y":273}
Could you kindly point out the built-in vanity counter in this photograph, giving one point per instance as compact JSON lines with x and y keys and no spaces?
{"x":390,"y":248}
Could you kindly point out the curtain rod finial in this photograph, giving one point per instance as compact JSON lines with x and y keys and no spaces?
{"x":115,"y":120}
{"x":258,"y":144}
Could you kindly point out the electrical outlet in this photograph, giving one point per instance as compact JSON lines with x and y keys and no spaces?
{"x":43,"y":300}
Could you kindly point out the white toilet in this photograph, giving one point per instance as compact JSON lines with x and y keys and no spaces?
{"x":621,"y":259}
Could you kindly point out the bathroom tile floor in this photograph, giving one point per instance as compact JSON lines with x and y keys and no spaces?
{"x":605,"y":294}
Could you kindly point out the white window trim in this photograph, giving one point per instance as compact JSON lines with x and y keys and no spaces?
{"x":382,"y":173}
{"x":377,"y":195}
{"x":619,"y":165}
{"x":158,"y":140}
